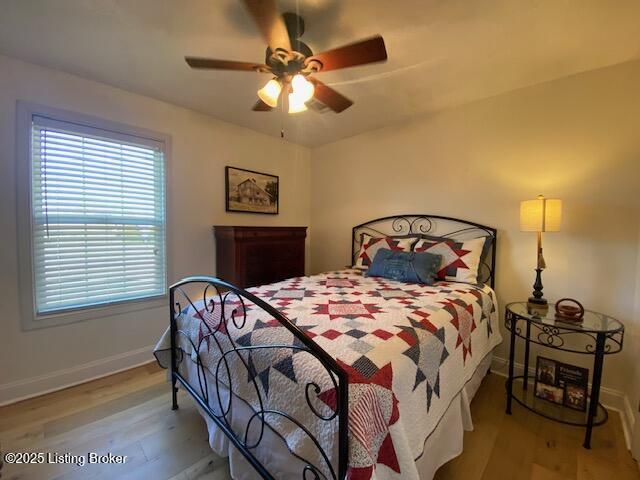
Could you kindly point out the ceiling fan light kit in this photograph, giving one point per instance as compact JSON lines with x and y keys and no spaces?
{"x":301,"y":92}
{"x":296,"y":105}
{"x":302,"y":88}
{"x":270,"y":93}
{"x":292,"y":62}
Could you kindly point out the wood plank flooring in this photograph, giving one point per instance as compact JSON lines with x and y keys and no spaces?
{"x":129,"y":414}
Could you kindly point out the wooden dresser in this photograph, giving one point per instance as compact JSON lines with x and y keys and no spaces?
{"x":250,"y":256}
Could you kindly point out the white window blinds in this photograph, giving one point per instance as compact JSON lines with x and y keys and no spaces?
{"x":98,"y":216}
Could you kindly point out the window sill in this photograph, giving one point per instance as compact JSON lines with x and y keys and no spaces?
{"x":33,"y":322}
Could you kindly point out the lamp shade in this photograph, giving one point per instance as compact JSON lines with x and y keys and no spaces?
{"x":541,"y":215}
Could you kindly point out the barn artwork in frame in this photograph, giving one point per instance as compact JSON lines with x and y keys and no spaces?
{"x":251,"y":192}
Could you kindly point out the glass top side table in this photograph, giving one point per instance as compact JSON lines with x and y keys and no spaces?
{"x":598,"y":335}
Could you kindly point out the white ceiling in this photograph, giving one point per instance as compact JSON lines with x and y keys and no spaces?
{"x":442,"y":53}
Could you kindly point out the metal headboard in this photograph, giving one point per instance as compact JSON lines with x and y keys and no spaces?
{"x":434,"y":225}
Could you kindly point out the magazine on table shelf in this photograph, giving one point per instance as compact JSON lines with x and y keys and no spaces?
{"x":561,"y":383}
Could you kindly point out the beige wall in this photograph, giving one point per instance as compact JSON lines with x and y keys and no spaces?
{"x":576,"y":139}
{"x":202,"y":146}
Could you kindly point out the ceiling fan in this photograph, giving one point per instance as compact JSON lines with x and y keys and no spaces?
{"x":291,"y":62}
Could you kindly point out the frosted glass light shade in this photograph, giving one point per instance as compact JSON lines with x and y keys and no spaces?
{"x":296,"y":104}
{"x":270,"y":92}
{"x":541,"y":215}
{"x":302,"y":88}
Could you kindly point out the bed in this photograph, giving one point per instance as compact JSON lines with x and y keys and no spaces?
{"x":337,"y":375}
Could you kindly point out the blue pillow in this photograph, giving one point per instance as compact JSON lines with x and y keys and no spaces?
{"x":410,"y":267}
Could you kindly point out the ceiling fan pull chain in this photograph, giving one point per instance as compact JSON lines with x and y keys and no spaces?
{"x":282,"y":120}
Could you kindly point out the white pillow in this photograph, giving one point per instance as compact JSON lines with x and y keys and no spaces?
{"x":460,"y":258}
{"x":370,"y":245}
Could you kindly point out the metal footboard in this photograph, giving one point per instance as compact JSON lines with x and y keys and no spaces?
{"x":224,"y":359}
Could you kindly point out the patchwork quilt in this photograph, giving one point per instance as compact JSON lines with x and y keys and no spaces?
{"x":408,"y":350}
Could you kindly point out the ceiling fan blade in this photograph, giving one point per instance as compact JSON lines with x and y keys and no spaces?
{"x":260,"y":106}
{"x":270,"y":23}
{"x":327,"y":95}
{"x":360,"y":53}
{"x":215,"y":64}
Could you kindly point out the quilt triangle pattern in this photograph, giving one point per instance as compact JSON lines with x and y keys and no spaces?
{"x":488,"y":308}
{"x":464,"y":321}
{"x":261,"y":362}
{"x":427,"y":351}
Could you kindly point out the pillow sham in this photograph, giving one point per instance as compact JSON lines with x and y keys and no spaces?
{"x":410,"y":267}
{"x":370,"y":245}
{"x":460,"y":258}
{"x":486,"y":249}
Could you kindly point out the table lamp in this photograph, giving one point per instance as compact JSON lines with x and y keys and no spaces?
{"x":540,"y":215}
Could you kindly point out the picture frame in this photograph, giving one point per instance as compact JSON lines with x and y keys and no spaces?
{"x":575,"y":397}
{"x":248,"y":191}
{"x":545,"y":386}
{"x":561,"y":383}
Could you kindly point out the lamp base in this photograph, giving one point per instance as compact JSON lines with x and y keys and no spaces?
{"x":538,"y":306}
{"x":537,"y":303}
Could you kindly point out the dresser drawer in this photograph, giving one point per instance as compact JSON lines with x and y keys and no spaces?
{"x":265,"y":252}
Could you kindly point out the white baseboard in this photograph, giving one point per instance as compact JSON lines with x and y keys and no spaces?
{"x":609,"y":397}
{"x":31,"y":387}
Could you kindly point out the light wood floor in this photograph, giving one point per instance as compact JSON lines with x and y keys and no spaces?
{"x":129,"y":414}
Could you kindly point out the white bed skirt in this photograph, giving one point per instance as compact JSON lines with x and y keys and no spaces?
{"x":444,"y":443}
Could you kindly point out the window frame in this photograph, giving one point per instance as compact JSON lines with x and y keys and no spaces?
{"x":25,"y":111}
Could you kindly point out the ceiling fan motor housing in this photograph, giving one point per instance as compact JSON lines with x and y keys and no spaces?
{"x":290,"y":63}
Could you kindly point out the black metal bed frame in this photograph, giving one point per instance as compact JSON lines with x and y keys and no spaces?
{"x":229,"y":303}
{"x":218,"y":296}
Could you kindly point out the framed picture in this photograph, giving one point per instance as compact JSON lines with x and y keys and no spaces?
{"x":251,"y":192}
{"x":546,"y":386}
{"x":575,"y":396}
{"x":561,"y":383}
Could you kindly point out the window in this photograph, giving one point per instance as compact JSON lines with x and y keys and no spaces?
{"x":97,"y":216}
